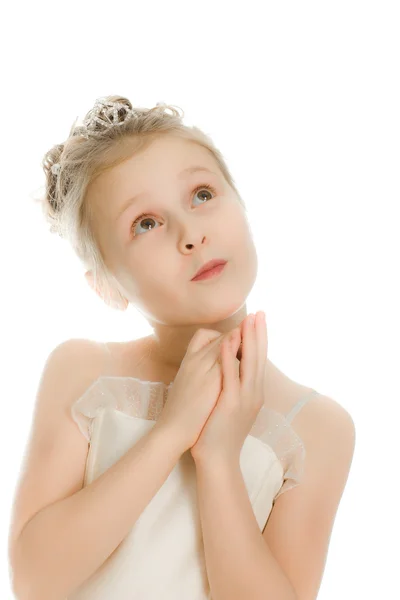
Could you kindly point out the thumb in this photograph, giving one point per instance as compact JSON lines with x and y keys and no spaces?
{"x":209,"y":340}
{"x":203,"y":339}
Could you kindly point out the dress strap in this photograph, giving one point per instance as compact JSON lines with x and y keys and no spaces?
{"x":296,"y":408}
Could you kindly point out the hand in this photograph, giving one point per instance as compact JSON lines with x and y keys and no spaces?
{"x":241,"y":397}
{"x":196,"y":388}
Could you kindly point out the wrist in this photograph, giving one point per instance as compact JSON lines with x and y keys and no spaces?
{"x":169,"y":438}
{"x":217,"y":464}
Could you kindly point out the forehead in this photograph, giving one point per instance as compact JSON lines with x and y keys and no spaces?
{"x":164,"y":160}
{"x":148,"y":170}
{"x":170,"y":151}
{"x":158,"y":164}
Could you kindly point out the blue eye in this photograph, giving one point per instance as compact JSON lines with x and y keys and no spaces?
{"x":149,"y":218}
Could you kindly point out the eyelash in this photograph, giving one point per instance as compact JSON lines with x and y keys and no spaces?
{"x":204,"y":186}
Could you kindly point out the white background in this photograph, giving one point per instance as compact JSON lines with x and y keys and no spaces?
{"x":302,"y":98}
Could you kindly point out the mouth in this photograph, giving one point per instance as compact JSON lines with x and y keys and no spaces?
{"x":210,"y":269}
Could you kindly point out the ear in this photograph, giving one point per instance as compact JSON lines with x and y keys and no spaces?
{"x":114,"y":299}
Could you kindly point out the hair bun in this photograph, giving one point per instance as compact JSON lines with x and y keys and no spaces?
{"x":107,"y":113}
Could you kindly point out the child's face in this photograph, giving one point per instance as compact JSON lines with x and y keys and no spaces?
{"x":155,"y":259}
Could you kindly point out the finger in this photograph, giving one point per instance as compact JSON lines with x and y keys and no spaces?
{"x":209,"y":345}
{"x":262,"y":344}
{"x":235,"y":343}
{"x":202,"y":338}
{"x":249,"y":352}
{"x":228,"y":355}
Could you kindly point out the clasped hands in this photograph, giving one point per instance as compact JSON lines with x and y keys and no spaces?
{"x":241,"y":396}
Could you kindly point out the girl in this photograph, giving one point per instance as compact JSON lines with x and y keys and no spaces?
{"x":157,"y":467}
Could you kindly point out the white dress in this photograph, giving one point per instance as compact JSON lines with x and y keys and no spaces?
{"x":162,"y":557}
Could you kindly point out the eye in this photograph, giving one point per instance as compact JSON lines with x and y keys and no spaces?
{"x":149,"y":219}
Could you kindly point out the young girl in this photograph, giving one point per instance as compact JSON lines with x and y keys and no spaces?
{"x":157,"y":467}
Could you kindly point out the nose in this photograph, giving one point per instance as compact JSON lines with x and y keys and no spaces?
{"x":189,"y":245}
{"x":190,"y":231}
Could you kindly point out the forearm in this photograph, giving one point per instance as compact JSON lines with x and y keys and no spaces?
{"x":239,"y":564}
{"x":66,"y":542}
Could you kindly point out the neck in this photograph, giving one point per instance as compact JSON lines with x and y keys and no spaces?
{"x":169,"y":365}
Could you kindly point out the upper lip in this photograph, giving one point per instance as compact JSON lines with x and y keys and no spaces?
{"x":209,"y":265}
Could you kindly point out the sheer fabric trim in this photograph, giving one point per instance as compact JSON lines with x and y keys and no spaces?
{"x":128,"y":395}
{"x":145,"y":400}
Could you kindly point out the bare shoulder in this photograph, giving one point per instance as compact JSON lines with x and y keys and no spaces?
{"x":324,"y":425}
{"x":68,"y":370}
{"x":328,"y":433}
{"x":328,"y":423}
{"x":86,"y":356}
{"x":55,"y":445}
{"x":89,"y":349}
{"x":322,"y":420}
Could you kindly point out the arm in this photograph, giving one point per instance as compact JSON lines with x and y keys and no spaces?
{"x":239,"y":563}
{"x":239,"y":566}
{"x":66,"y":542}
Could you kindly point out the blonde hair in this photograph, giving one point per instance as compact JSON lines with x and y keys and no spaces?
{"x":81,"y":159}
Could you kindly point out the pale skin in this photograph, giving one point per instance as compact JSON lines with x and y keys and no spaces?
{"x":152,"y":269}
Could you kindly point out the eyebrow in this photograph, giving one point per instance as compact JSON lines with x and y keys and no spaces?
{"x":184,"y":173}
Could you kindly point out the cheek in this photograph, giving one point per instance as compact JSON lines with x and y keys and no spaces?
{"x":239,"y":228}
{"x":245,"y":247}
